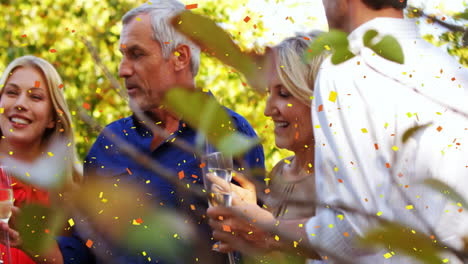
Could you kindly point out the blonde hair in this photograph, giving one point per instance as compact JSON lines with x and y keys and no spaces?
{"x":295,"y":74}
{"x":63,"y":125}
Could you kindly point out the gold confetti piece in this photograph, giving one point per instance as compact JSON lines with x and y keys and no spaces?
{"x":445,"y":260}
{"x":388,"y":255}
{"x":332,"y":96}
{"x":340,"y":216}
{"x":327,"y":47}
{"x":71,"y":222}
{"x":277,"y":238}
{"x":330,"y":226}
{"x":290,"y":105}
{"x":409,"y":207}
{"x":250,"y":232}
{"x":98,"y":90}
{"x":317,"y":126}
{"x":10,"y":152}
{"x":138,"y":19}
{"x":379,"y":213}
{"x":50,"y":154}
{"x":2,"y":110}
{"x":287,"y":161}
{"x":295,"y":244}
{"x":412,"y":231}
{"x":335,"y":169}
{"x":177,"y":53}
{"x":364,"y":130}
{"x":143,"y":253}
{"x":310,"y":165}
{"x":395,"y":148}
{"x":176,"y":235}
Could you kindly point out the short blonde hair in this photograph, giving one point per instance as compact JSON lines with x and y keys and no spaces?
{"x":61,"y":115}
{"x":295,"y":74}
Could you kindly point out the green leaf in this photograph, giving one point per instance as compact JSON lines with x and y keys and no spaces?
{"x":335,"y":40}
{"x":447,"y":191}
{"x":368,"y":36}
{"x":38,"y":225}
{"x":162,"y":233}
{"x":410,"y":132}
{"x":213,"y":40}
{"x":201,"y":111}
{"x":236,"y":143}
{"x":388,"y":47}
{"x":463,"y":15}
{"x":403,"y":240}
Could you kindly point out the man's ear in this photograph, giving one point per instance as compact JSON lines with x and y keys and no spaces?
{"x":182,"y":56}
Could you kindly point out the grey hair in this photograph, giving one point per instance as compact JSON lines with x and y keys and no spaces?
{"x":298,"y":77}
{"x":160,"y":12}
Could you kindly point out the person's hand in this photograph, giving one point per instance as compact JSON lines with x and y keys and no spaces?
{"x":236,"y":228}
{"x":14,"y":236}
{"x":243,"y":194}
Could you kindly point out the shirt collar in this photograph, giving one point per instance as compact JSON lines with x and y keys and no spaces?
{"x":396,"y":27}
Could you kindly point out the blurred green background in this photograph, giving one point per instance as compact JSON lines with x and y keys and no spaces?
{"x":55,"y":30}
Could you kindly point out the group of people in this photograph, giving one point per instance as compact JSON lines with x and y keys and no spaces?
{"x":345,"y":124}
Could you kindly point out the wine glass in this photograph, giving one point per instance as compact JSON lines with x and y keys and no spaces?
{"x":6,"y":203}
{"x":217,"y":175}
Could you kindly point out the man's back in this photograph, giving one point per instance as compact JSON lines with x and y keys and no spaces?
{"x":361,"y":111}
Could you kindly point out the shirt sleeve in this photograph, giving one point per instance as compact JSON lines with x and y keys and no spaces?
{"x":359,"y":117}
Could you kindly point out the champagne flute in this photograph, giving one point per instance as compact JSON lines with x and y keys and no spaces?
{"x":217,"y":175}
{"x":6,"y":203}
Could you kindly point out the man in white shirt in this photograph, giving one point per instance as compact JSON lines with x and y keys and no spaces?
{"x":361,"y":110}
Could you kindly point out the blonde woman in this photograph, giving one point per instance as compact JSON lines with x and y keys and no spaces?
{"x":290,"y":87}
{"x":35,"y":116}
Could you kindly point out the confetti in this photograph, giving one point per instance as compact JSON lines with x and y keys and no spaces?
{"x":364,"y":130}
{"x":346,"y":234}
{"x":332,"y":96}
{"x":376,"y":146}
{"x":60,"y":86}
{"x":53,"y":50}
{"x":320,"y":108}
{"x":89,"y":243}
{"x":277,"y":238}
{"x":246,"y":19}
{"x":37,"y":84}
{"x":409,"y":207}
{"x":86,"y":106}
{"x":71,"y":222}
{"x":181,"y":175}
{"x":191,"y":6}
{"x":50,"y":154}
{"x":129,"y":171}
{"x":2,"y":110}
{"x":439,"y":128}
{"x":387,"y":165}
{"x":226,"y":228}
{"x":387,"y":255}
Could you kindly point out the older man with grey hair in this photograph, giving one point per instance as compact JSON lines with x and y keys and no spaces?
{"x":155,"y":59}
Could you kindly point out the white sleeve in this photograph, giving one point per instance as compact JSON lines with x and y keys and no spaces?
{"x":359,"y":117}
